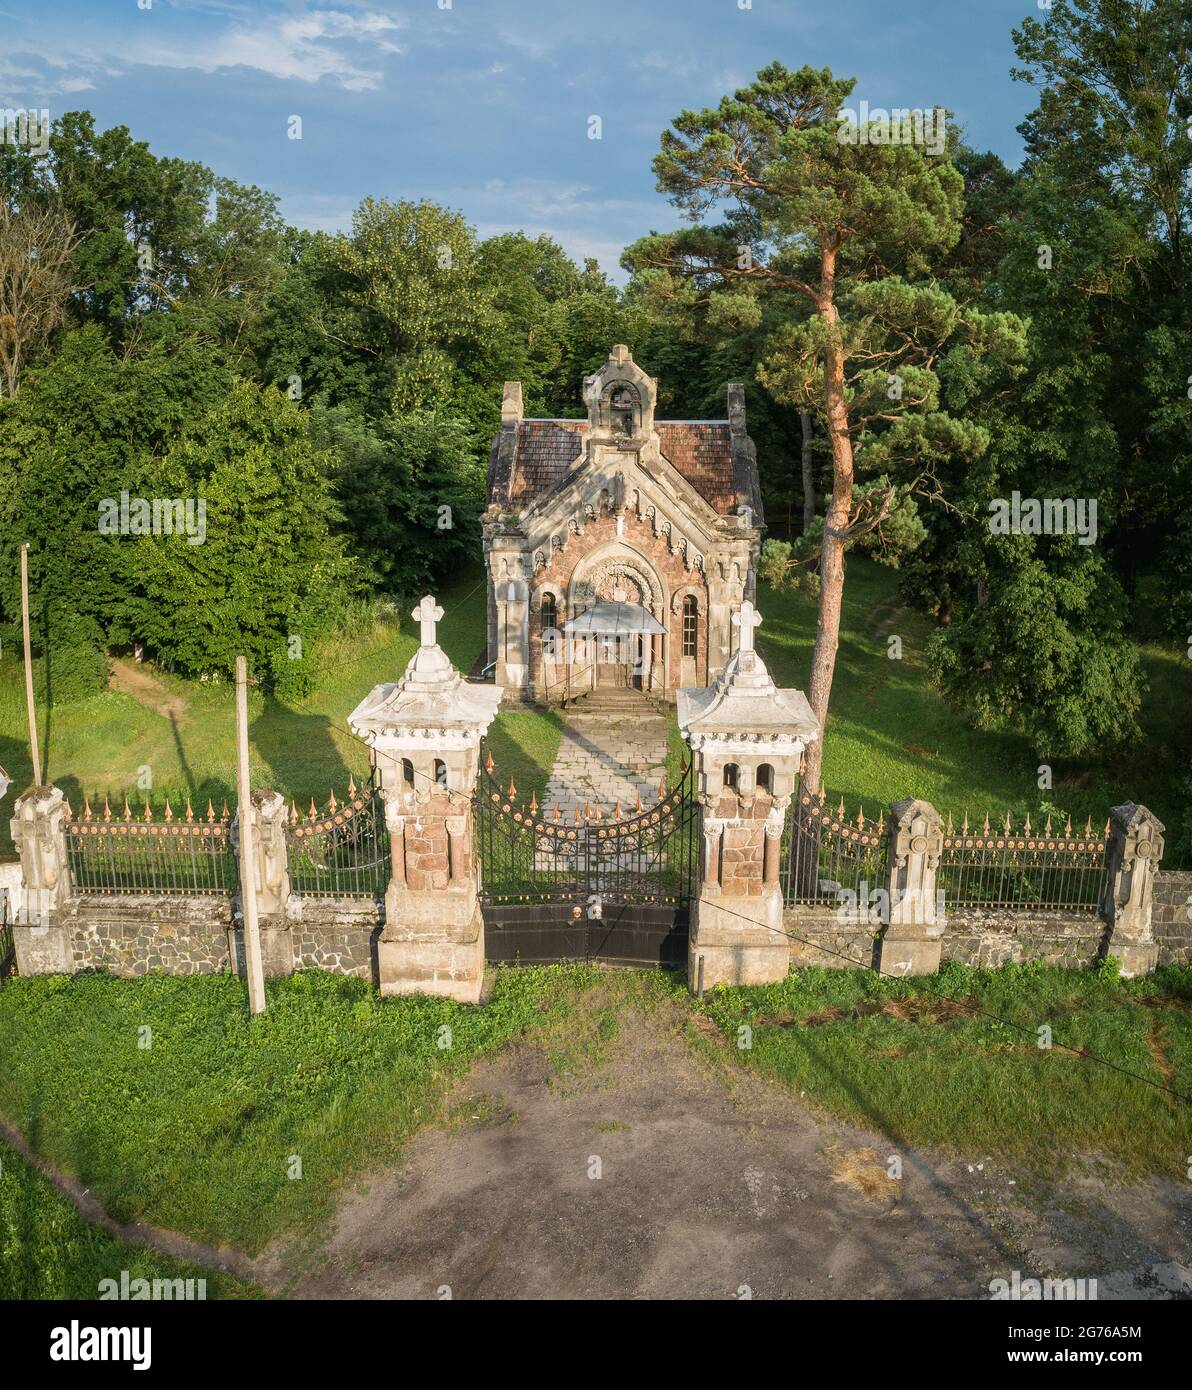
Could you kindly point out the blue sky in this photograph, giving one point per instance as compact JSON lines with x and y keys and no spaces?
{"x":483,"y":105}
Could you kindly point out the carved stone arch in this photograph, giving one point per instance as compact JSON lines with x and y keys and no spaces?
{"x":696,"y":591}
{"x":600,"y":571}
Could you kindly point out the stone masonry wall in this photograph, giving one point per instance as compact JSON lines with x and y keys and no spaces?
{"x":337,"y":934}
{"x":137,"y":935}
{"x":1171,"y":917}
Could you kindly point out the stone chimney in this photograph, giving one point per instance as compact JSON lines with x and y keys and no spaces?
{"x":512,"y":408}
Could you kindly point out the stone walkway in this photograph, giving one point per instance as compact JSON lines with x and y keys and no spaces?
{"x":613,"y":750}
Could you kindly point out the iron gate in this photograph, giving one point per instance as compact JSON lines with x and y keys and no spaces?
{"x":594,"y":886}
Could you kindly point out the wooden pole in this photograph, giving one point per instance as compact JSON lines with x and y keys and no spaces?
{"x":34,"y":747}
{"x":248,"y":876}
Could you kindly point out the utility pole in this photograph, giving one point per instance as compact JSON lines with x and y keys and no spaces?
{"x":34,"y":747}
{"x":248,"y":863}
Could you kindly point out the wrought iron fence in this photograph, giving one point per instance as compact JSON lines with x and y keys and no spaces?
{"x":7,"y":946}
{"x":120,"y":854}
{"x":342,"y":851}
{"x":827,"y":855}
{"x":646,"y":855}
{"x":1023,"y":868}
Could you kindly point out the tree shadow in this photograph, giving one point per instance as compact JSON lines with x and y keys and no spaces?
{"x":303,"y":757}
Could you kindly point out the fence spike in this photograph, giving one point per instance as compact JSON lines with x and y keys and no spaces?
{"x":148,"y":816}
{"x":86,"y":808}
{"x":640,"y":807}
{"x":293,"y":813}
{"x":210,"y":812}
{"x":67,"y":813}
{"x":950,"y":823}
{"x":860,"y":816}
{"x":881,"y":820}
{"x":598,"y":815}
{"x":617,"y":811}
{"x":512,"y":792}
{"x":533,"y":803}
{"x":823,"y":792}
{"x":226,"y":813}
{"x":488,"y":763}
{"x":351,"y":785}
{"x":1105,"y":832}
{"x":127,"y":808}
{"x":1068,"y":826}
{"x":169,"y":813}
{"x":1047,"y":827}
{"x":661,"y":789}
{"x":190,"y":815}
{"x":985,"y":830}
{"x":313,"y":812}
{"x":331,"y":803}
{"x":840,"y":811}
{"x":1088,"y":826}
{"x":1028,"y":823}
{"x":964,"y":824}
{"x":577,"y":813}
{"x":556,"y":814}
{"x":1007,"y":823}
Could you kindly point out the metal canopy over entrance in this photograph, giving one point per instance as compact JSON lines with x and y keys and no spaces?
{"x":613,"y":620}
{"x":598,"y":887}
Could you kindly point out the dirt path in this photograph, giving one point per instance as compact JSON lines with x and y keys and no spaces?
{"x":147,"y":690}
{"x":712,"y":1183}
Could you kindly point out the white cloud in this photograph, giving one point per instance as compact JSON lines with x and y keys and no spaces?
{"x":308,"y":47}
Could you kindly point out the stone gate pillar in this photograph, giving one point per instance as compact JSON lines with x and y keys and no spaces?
{"x":911,"y":943}
{"x":747,"y":739}
{"x":39,"y":834}
{"x":424,"y":732}
{"x":1133,"y":856}
{"x":271,"y":872}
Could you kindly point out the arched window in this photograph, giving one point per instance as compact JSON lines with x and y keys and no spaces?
{"x":440,"y":772}
{"x":407,"y":772}
{"x":690,"y":625}
{"x":731,"y":777}
{"x":765,"y":779}
{"x":550,"y":612}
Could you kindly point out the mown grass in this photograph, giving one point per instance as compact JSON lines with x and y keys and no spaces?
{"x":201,"y":1131}
{"x":47,"y":1250}
{"x":897,"y":1056}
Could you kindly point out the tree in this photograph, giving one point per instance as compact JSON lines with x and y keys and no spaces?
{"x":36,"y":246}
{"x":824,"y":220}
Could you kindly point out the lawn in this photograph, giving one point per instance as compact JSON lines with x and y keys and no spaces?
{"x":47,"y":1250}
{"x":231,"y":1130}
{"x":890,"y":735}
{"x":954,"y":1060}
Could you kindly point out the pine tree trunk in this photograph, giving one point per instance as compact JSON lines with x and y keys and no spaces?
{"x":808,"y":473}
{"x":827,"y":633}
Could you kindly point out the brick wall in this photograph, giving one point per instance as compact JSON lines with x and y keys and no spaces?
{"x":742,"y":844}
{"x":669,"y":568}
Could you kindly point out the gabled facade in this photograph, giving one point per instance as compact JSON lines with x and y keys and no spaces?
{"x":618,"y":546}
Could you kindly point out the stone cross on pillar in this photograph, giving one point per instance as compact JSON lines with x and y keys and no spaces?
{"x":428,"y":613}
{"x":746,"y":618}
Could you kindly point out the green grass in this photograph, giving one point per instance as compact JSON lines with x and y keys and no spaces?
{"x":47,"y":1250}
{"x":857,"y":1045}
{"x":891,"y":735}
{"x":200,"y":1131}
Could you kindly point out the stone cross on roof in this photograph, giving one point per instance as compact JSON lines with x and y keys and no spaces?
{"x":746,"y":618}
{"x":428,"y":614}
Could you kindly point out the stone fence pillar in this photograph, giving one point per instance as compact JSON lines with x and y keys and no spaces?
{"x":747,"y":739}
{"x":424,"y":732}
{"x":911,"y":943}
{"x":1134,"y":853}
{"x":39,"y":834}
{"x":271,"y":874}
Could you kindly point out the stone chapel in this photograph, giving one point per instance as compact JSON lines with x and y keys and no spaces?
{"x":617,"y":547}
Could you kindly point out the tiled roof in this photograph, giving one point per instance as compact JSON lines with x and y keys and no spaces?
{"x":699,"y":449}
